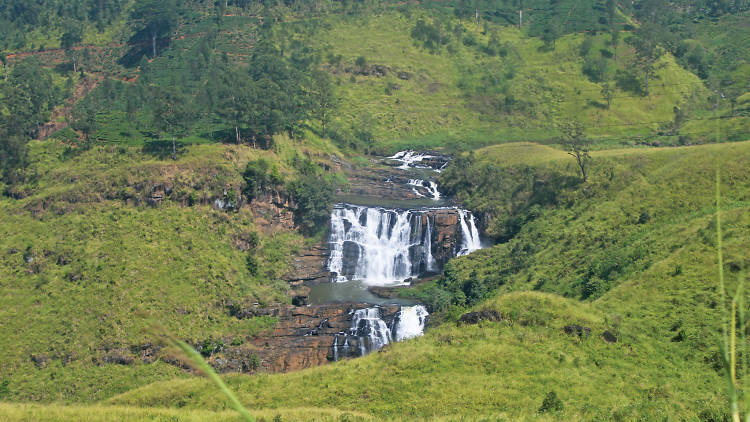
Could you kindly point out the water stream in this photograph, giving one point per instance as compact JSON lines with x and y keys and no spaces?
{"x":384,"y":245}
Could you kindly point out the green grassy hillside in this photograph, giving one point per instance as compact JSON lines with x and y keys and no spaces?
{"x":450,"y":97}
{"x":658,"y":295}
{"x":104,"y":236}
{"x":90,"y":263}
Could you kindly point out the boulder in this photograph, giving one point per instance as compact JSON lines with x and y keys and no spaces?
{"x":577,"y":330}
{"x":472,"y":318}
{"x":609,"y":337}
{"x":39,"y":360}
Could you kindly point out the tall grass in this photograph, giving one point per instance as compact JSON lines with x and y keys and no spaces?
{"x":196,"y":360}
{"x":730,"y":334}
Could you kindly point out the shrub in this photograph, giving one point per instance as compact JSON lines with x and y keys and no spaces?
{"x":551,"y":403}
{"x":627,"y":80}
{"x":260,"y":176}
{"x":252,"y":264}
{"x":585,"y":46}
{"x":313,"y":197}
{"x":596,"y":68}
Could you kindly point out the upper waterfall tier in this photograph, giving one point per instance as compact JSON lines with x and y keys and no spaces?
{"x":424,"y":160}
{"x":383,"y":246}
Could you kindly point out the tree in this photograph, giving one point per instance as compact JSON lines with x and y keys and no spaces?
{"x":220,"y":8}
{"x":551,"y":34}
{"x":171,"y":113}
{"x":647,"y":51}
{"x":83,"y":119}
{"x":260,"y":176}
{"x":232,"y":94}
{"x":679,"y":119}
{"x":280,"y":98}
{"x":4,"y":62}
{"x":313,"y":196}
{"x":68,"y":40}
{"x":615,"y":39}
{"x":13,"y":157}
{"x":608,"y":93}
{"x":577,"y":146}
{"x":28,"y":97}
{"x":611,"y":7}
{"x":324,"y":98}
{"x":154,"y":19}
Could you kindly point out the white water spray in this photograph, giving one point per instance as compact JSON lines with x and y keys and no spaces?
{"x":470,"y":241}
{"x":369,"y":332}
{"x":429,"y":186}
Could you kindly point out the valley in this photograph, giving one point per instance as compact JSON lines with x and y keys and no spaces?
{"x":374,"y":210}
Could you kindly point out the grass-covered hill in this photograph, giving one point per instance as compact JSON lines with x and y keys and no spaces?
{"x":112,"y":241}
{"x":642,"y":233}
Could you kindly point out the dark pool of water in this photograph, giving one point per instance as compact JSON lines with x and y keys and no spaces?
{"x":350,"y":291}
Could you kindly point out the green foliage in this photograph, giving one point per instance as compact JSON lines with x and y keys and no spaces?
{"x":260,"y":176}
{"x":153,"y":19}
{"x":313,"y":196}
{"x":432,"y":36}
{"x":577,"y":145}
{"x":28,"y":97}
{"x":648,"y":51}
{"x":596,"y":68}
{"x":551,"y":403}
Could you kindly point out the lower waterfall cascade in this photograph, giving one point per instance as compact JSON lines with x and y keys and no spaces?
{"x":369,"y":332}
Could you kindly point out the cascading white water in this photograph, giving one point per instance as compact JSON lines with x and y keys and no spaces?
{"x":378,"y":245}
{"x":383,"y":246}
{"x":409,"y":322}
{"x":430,"y":186}
{"x":369,"y":332}
{"x":470,"y":241}
{"x":409,"y":158}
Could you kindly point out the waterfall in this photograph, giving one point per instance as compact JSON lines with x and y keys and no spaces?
{"x":409,"y":158}
{"x":379,"y":245}
{"x":430,"y":186}
{"x":469,"y":234}
{"x":409,"y":322}
{"x":383,"y":246}
{"x":427,"y":247}
{"x":369,"y":332}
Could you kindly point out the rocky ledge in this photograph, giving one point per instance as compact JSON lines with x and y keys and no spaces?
{"x":302,"y":338}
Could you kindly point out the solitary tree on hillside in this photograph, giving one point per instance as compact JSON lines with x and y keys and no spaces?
{"x":4,"y":62}
{"x":324,"y":98}
{"x":608,"y":93}
{"x":154,"y":19}
{"x":577,"y":145}
{"x":230,"y":93}
{"x":171,"y":113}
{"x":69,"y":39}
{"x":551,"y":34}
{"x":647,"y":51}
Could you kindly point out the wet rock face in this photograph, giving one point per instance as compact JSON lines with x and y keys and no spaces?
{"x":379,"y":184}
{"x":446,"y":235}
{"x":303,"y":337}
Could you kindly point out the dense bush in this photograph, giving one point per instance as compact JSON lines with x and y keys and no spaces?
{"x":260,"y":176}
{"x":596,"y":67}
